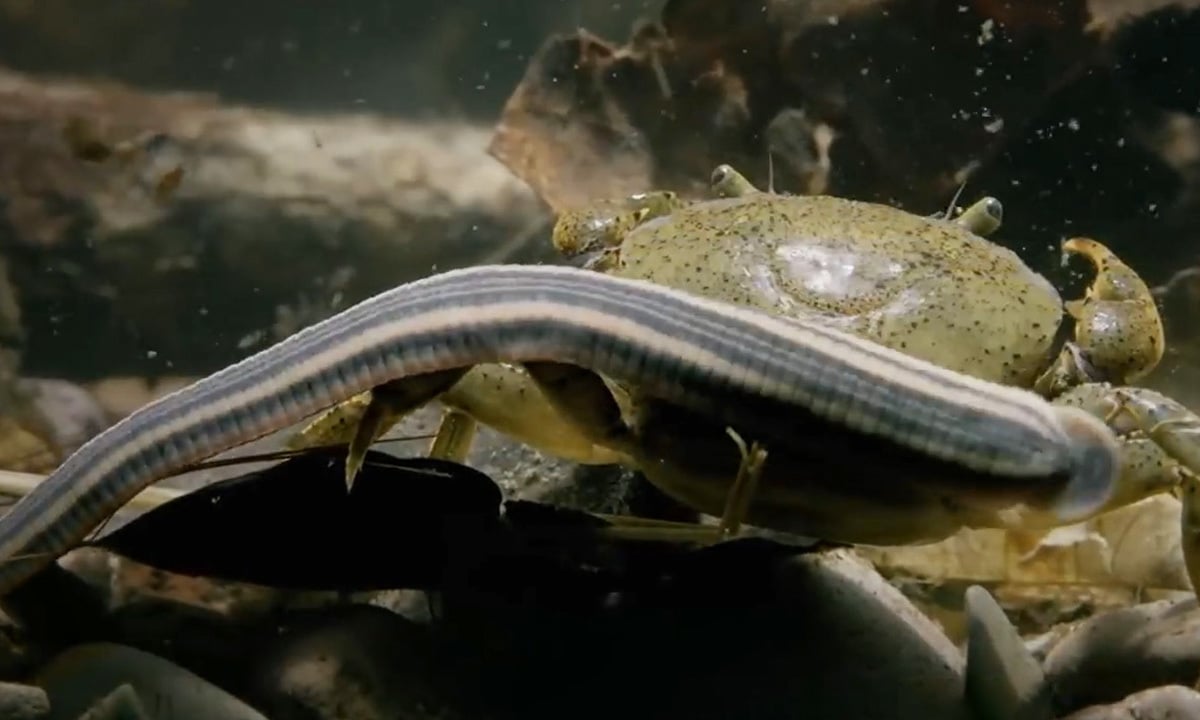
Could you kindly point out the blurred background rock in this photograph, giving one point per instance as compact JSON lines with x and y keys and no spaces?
{"x":414,"y":59}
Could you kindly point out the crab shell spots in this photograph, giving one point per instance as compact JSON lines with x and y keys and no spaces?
{"x":928,"y":288}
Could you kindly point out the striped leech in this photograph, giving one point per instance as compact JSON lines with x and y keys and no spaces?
{"x":642,"y":372}
{"x":931,"y":288}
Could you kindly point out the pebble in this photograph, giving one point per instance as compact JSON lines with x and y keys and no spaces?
{"x":84,"y":675}
{"x":120,"y":704}
{"x":23,"y":702}
{"x":817,"y":635}
{"x":860,"y":648}
{"x":1004,"y":681}
{"x":1171,"y":702}
{"x":1111,"y":656}
{"x":360,"y":662}
{"x":71,"y":412}
{"x":824,"y":633}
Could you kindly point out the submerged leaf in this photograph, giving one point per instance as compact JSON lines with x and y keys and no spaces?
{"x":1136,"y":546}
{"x":294,"y":525}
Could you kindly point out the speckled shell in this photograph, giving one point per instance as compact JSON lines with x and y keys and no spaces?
{"x":923,"y":286}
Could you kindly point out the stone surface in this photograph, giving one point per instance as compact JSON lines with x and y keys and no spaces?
{"x":191,"y":281}
{"x":1171,"y":702}
{"x":86,"y":674}
{"x":1004,"y":681}
{"x":23,"y":702}
{"x":70,"y":412}
{"x":1122,"y":652}
{"x":358,"y":662}
{"x":819,"y":635}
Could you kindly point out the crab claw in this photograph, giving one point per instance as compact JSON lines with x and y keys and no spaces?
{"x":1118,"y":331}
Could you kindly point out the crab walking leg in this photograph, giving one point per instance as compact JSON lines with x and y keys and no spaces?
{"x":1172,"y":426}
{"x":1148,"y":467}
{"x":745,"y":484}
{"x":713,"y":358}
{"x":1175,"y":429}
{"x":503,"y":397}
{"x":388,"y":402}
{"x":455,"y":435}
{"x":1150,"y":463}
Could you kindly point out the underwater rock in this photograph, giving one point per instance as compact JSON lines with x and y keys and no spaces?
{"x":22,"y":450}
{"x":1004,"y":681}
{"x":14,"y":660}
{"x":69,"y":411}
{"x":207,"y":642}
{"x":357,"y":661}
{"x":120,"y":704}
{"x":1111,"y":656}
{"x":187,"y":283}
{"x":865,"y":649}
{"x":23,"y":702}
{"x":1172,"y":702}
{"x":744,"y":628}
{"x":780,"y":638}
{"x":86,"y":674}
{"x":745,"y":631}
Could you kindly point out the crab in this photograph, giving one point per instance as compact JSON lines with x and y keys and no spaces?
{"x":933,"y":287}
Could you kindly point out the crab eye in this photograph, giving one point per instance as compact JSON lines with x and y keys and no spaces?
{"x":993,"y":208}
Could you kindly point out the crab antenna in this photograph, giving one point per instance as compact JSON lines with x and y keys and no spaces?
{"x":954,"y":200}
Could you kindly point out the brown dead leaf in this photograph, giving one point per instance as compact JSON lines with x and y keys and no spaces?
{"x":590,"y":120}
{"x":561,"y":133}
{"x":1134,"y":547}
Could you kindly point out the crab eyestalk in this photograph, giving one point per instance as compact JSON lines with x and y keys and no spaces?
{"x":726,"y":182}
{"x":1118,"y":331}
{"x":983,"y":217}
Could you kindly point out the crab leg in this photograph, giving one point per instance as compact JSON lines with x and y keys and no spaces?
{"x":1175,"y":429}
{"x":502,"y":397}
{"x":370,"y":415}
{"x":1148,"y":465}
{"x":455,"y":436}
{"x":745,"y":483}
